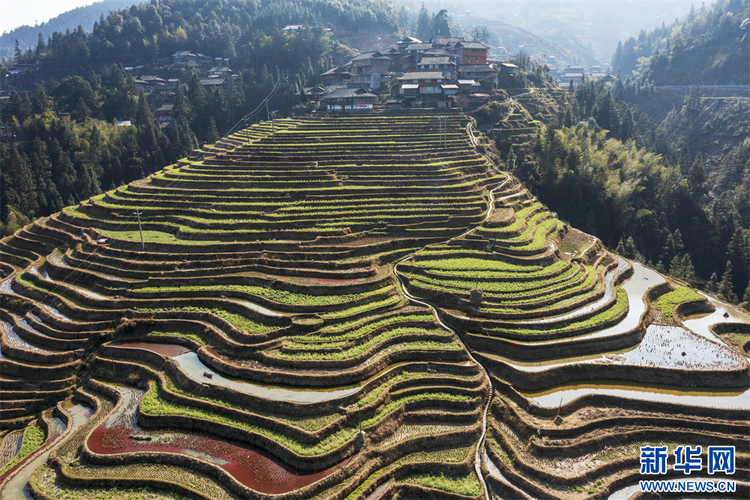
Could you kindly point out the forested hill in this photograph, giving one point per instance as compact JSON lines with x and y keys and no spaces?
{"x":711,"y":46}
{"x":28,"y":36}
{"x":144,"y":33}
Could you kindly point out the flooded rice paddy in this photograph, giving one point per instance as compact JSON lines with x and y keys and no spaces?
{"x":734,"y":399}
{"x":251,"y":466}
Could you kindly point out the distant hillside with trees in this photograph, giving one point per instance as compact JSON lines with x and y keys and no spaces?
{"x":711,"y":46}
{"x":28,"y":36}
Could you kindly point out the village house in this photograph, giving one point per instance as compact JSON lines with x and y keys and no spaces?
{"x":350,"y":100}
{"x":214,"y":82}
{"x":336,"y":76}
{"x":185,"y":57}
{"x":469,"y":53}
{"x":403,"y":43}
{"x":468,"y":86}
{"x":508,"y":70}
{"x":220,"y":72}
{"x":442,"y":42}
{"x":20,"y":68}
{"x":427,"y":82}
{"x":485,"y":74}
{"x":370,"y":69}
{"x":573,"y":74}
{"x":150,"y":83}
{"x":443,"y":64}
{"x":449,"y":89}
{"x":409,"y":55}
{"x":163,"y":115}
{"x":417,"y":49}
{"x":313,"y":95}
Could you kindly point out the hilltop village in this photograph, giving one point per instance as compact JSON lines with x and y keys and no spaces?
{"x":413,"y":72}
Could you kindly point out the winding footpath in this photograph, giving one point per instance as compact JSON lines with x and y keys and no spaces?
{"x":15,"y":484}
{"x":480,"y":444}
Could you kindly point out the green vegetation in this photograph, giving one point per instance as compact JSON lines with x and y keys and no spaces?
{"x":426,"y":396}
{"x":154,"y":237}
{"x":306,"y":422}
{"x":281,"y":296}
{"x":452,"y":455}
{"x":52,"y":485}
{"x":191,"y":336}
{"x":310,"y":341}
{"x":237,"y":320}
{"x":499,"y":286}
{"x":375,"y":393}
{"x":473,"y":264}
{"x":364,"y":347}
{"x":462,"y":485}
{"x":667,"y":303}
{"x":369,"y":306}
{"x":33,"y":438}
{"x":619,"y":307}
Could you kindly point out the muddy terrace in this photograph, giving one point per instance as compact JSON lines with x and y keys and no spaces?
{"x":340,"y":308}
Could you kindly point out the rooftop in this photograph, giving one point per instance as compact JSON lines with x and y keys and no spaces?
{"x":421,"y":75}
{"x":471,"y":45}
{"x":419,"y":46}
{"x":436,"y":60}
{"x":443,"y":40}
{"x":370,"y":55}
{"x":342,"y":93}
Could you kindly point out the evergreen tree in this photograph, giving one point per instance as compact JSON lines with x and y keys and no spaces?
{"x":424,"y":24}
{"x":40,"y":47}
{"x":712,"y":285}
{"x":675,"y":266}
{"x":39,"y":99}
{"x":212,"y":135}
{"x":726,"y":288}
{"x":81,"y":111}
{"x":738,"y":251}
{"x":697,"y":178}
{"x":687,"y":269}
{"x":441,"y":24}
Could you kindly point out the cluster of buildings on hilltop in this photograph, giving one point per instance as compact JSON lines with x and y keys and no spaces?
{"x":434,"y":72}
{"x":576,"y":74}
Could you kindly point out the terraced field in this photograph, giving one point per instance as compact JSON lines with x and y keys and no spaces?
{"x":341,"y":308}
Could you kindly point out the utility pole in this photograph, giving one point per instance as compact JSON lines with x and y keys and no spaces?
{"x":440,"y":130}
{"x":445,"y":133}
{"x":273,"y":129}
{"x":140,"y":230}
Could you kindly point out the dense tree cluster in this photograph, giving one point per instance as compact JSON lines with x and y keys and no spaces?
{"x":711,"y":46}
{"x":65,"y":145}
